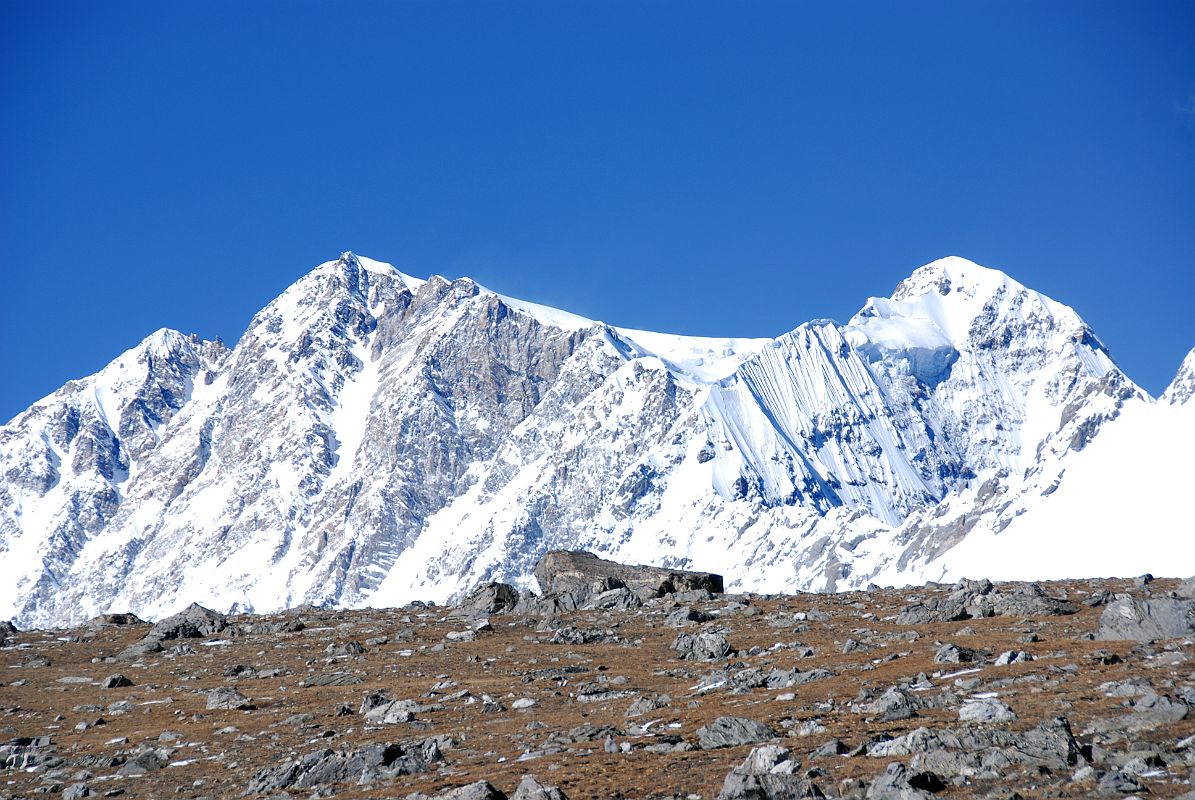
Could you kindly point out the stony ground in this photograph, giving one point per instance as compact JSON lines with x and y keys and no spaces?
{"x":601,"y":704}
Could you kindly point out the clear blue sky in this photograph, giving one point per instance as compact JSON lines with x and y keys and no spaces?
{"x":722,"y":168}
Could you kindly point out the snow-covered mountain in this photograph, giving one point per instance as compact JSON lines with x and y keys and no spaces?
{"x":374,"y":438}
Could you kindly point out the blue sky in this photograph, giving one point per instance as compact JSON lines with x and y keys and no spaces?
{"x":704,"y":168}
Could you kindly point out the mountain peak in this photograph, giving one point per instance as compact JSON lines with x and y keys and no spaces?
{"x":1182,"y":388}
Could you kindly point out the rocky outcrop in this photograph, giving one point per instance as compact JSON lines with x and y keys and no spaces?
{"x":327,"y":766}
{"x":1144,"y":620}
{"x":193,"y":622}
{"x":562,"y":571}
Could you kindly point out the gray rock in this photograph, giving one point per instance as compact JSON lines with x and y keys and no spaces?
{"x":894,"y":784}
{"x":1012,"y":657}
{"x":618,"y":599}
{"x":333,"y":679}
{"x":1186,"y":588}
{"x":1115,"y":783}
{"x":950,"y":653}
{"x":731,"y":732}
{"x":490,"y":598}
{"x":646,"y":705}
{"x":228,"y":699}
{"x":702,"y":646}
{"x":139,"y":650}
{"x":75,"y":791}
{"x":144,"y":762}
{"x":193,"y":622}
{"x":479,"y":790}
{"x":531,"y":789}
{"x":984,"y":711}
{"x":977,"y":599}
{"x":767,"y":774}
{"x":116,"y":681}
{"x":392,"y":712}
{"x":956,"y":752}
{"x":1146,"y":620}
{"x":834,"y":747}
{"x":895,"y":703}
{"x":324,"y":767}
{"x":686,"y":616}
{"x":570,"y":570}
{"x":114,"y":620}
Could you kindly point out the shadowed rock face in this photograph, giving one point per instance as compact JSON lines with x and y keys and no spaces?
{"x":572,"y":571}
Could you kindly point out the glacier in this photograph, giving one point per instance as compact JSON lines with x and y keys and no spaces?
{"x":374,"y":438}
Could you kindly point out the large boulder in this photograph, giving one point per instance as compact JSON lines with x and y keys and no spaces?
{"x":732,"y":732}
{"x":768,"y":773}
{"x":193,"y":622}
{"x":531,"y":789}
{"x":563,"y":571}
{"x":490,"y":598}
{"x":324,"y":767}
{"x":702,"y":646}
{"x":1146,"y":620}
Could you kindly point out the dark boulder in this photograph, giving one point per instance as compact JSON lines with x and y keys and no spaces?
{"x":193,"y":622}
{"x":490,"y":598}
{"x":562,"y":571}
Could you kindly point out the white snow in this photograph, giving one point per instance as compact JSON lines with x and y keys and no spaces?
{"x":804,"y":461}
{"x":1121,"y":509}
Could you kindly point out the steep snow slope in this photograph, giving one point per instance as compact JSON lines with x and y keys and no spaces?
{"x":1095,"y":522}
{"x":68,"y":460}
{"x":375,"y":438}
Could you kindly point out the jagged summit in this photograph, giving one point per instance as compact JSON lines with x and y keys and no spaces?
{"x":375,"y":438}
{"x":1182,"y":388}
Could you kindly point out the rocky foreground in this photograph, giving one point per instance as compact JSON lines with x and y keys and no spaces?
{"x":621,"y":682}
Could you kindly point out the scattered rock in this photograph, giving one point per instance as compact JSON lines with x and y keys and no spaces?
{"x":731,"y":732}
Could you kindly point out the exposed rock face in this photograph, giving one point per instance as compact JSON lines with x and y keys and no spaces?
{"x":374,"y":438}
{"x":1146,"y":620}
{"x":569,"y":571}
